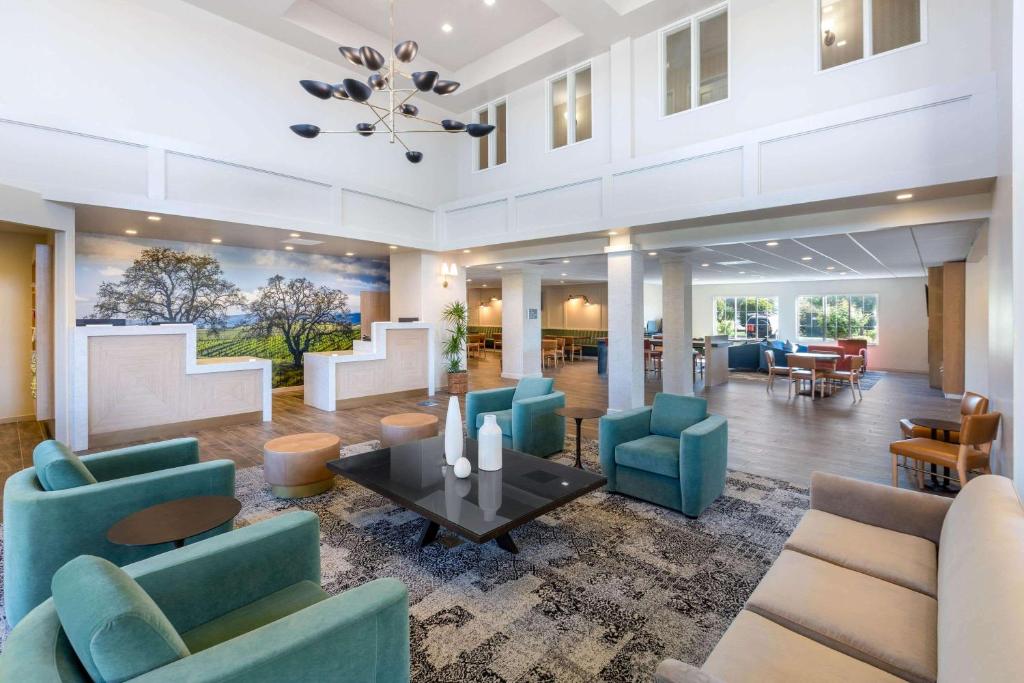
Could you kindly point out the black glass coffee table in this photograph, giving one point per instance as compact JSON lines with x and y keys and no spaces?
{"x":483,"y":507}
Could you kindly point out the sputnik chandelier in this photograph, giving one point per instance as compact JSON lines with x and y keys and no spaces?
{"x":384,"y":79}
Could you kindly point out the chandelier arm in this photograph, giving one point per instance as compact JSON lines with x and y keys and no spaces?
{"x":382,"y":120}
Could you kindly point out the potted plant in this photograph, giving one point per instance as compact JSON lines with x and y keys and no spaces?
{"x":456,"y":317}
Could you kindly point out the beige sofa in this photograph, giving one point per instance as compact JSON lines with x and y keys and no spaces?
{"x":883,"y":584}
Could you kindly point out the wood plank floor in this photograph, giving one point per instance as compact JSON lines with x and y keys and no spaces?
{"x":768,"y":434}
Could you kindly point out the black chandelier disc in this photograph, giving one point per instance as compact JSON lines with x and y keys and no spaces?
{"x":453,"y":125}
{"x":372,"y":59}
{"x":446,"y":87}
{"x":424,"y":80}
{"x":366,"y":129}
{"x":414,"y":157}
{"x":317,"y":89}
{"x":357,"y":90}
{"x":306,"y":130}
{"x":406,"y":50}
{"x":351,"y":54}
{"x":479,"y":130}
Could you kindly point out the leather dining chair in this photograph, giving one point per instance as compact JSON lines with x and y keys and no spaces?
{"x":977,"y":433}
{"x":970,"y":404}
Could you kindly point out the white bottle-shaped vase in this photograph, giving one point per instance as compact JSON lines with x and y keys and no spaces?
{"x":453,"y":442}
{"x":489,"y":448}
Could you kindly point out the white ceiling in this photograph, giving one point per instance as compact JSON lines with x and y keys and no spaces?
{"x":102,"y":220}
{"x":896,"y":252}
{"x":492,"y":49}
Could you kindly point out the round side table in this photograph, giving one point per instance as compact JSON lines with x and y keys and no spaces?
{"x":295,"y":466}
{"x":579,"y":414}
{"x":405,"y":427}
{"x":174,"y":521}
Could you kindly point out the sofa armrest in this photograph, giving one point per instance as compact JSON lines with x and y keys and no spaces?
{"x":147,"y":457}
{"x":359,"y":635}
{"x":486,"y":401}
{"x":535,"y":427}
{"x":274,"y":553}
{"x":617,"y":428}
{"x":674,"y":671}
{"x":908,"y":512}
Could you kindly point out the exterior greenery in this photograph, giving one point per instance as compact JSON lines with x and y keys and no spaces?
{"x":456,"y":316}
{"x":838,"y":317}
{"x":732,"y":313}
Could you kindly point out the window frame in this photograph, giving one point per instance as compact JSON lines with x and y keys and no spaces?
{"x":714,"y":312}
{"x":694,"y":21}
{"x":492,"y":140}
{"x":570,"y":96}
{"x":868,"y":30}
{"x":824,"y":298}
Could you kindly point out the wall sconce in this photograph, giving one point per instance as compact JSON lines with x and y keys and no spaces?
{"x":448,"y":270}
{"x":573,"y":297}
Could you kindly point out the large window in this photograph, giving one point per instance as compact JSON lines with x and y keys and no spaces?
{"x":854,"y":29}
{"x":491,"y":150}
{"x":747,"y":317}
{"x":696,"y":52}
{"x":569,"y":101}
{"x":840,"y":316}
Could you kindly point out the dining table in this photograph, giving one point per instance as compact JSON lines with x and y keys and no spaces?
{"x":817,"y":356}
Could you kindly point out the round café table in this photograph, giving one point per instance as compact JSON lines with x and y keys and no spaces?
{"x":174,"y":521}
{"x":579,"y":414}
{"x":947,"y":427}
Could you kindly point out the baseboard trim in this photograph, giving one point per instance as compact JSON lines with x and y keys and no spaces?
{"x":168,"y":431}
{"x":360,"y":401}
{"x":17,"y":418}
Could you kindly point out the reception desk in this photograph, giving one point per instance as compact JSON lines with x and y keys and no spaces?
{"x":397,"y":363}
{"x":144,"y":382}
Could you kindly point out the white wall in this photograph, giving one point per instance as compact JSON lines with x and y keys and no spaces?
{"x":559,"y":313}
{"x":16,"y":257}
{"x":976,"y":317}
{"x":489,"y":315}
{"x":902,"y":315}
{"x":652,"y":301}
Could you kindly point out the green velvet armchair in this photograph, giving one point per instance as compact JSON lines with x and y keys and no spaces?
{"x":243,"y":606}
{"x":672,"y":453}
{"x":525,"y":413}
{"x":43,"y":528}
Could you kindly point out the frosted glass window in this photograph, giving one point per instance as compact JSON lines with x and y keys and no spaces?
{"x":714,"y":58}
{"x":678,"y":70}
{"x":841,"y":38}
{"x":583,"y":105}
{"x":559,"y":112}
{"x":895,"y":23}
{"x":854,"y":29}
{"x":482,"y":143}
{"x":499,"y":133}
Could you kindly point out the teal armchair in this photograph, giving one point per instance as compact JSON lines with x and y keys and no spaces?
{"x":672,"y":453}
{"x":525,"y":413}
{"x":242,"y":606}
{"x":43,"y":529}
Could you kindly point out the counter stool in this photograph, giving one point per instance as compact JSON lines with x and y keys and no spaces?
{"x":405,"y":427}
{"x":295,"y":466}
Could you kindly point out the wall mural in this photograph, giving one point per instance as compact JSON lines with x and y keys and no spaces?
{"x":244,"y":302}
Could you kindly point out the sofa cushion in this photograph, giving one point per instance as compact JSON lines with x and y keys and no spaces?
{"x":58,"y":468}
{"x":532,"y":387}
{"x":502,"y":417}
{"x":116,"y":629}
{"x":981,"y":584}
{"x":264,"y":611}
{"x":757,"y":649}
{"x":882,"y":624}
{"x":671,"y":414}
{"x":909,"y":561}
{"x":656,"y":454}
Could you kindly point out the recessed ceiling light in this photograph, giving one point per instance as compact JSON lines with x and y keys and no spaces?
{"x":289,"y":248}
{"x":131,"y":231}
{"x":743,"y":272}
{"x":612,"y":233}
{"x":806,"y":258}
{"x":704,"y":265}
{"x":771,"y":244}
{"x":830,"y":267}
{"x":469,"y":279}
{"x":392,"y":246}
{"x":153,"y":218}
{"x":565,"y":260}
{"x":294,"y":234}
{"x":446,"y":27}
{"x":561,"y":282}
{"x":498,"y":267}
{"x":484,"y":285}
{"x":905,"y":196}
{"x":466,"y":251}
{"x":489,"y":3}
{"x":843,"y":273}
{"x":350,"y":253}
{"x":652,"y":253}
{"x":564,"y":275}
{"x":216,"y":240}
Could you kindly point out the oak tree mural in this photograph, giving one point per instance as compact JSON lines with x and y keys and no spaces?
{"x":168,"y":286}
{"x":307,"y":316}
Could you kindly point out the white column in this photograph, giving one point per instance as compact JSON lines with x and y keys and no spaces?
{"x":520,"y":322}
{"x":677,"y":324}
{"x":625,"y":327}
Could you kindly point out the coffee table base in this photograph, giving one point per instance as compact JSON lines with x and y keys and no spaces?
{"x":431,"y":529}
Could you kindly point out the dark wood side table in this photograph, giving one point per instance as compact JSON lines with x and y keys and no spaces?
{"x":579,"y":414}
{"x":174,"y":521}
{"x":947,"y":427}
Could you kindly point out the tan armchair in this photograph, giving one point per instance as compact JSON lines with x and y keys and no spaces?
{"x":970,"y":404}
{"x":977,"y":433}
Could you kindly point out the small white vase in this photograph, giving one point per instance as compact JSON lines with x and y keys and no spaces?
{"x":453,"y":441}
{"x":489,"y":445}
{"x":462,"y":468}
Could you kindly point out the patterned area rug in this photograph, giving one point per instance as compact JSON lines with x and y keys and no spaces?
{"x":602,"y":589}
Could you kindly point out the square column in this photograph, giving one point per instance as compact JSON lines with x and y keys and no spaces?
{"x":677,"y":324}
{"x":625,"y":327}
{"x":520,"y":322}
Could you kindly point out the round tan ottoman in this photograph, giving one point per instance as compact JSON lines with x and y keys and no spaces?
{"x":405,"y":427}
{"x":296,"y":466}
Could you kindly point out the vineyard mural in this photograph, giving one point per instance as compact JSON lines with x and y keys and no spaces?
{"x":244,"y":302}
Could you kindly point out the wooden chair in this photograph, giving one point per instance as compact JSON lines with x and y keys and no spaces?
{"x":652,"y":356}
{"x":549,"y":349}
{"x":803,"y":369}
{"x":572,"y":349}
{"x":497,"y":341}
{"x":852,"y":376}
{"x":773,"y":369}
{"x":977,"y":432}
{"x":474,"y":345}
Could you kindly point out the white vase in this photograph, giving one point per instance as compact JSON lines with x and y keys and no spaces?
{"x":489,"y":445}
{"x":453,"y":441}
